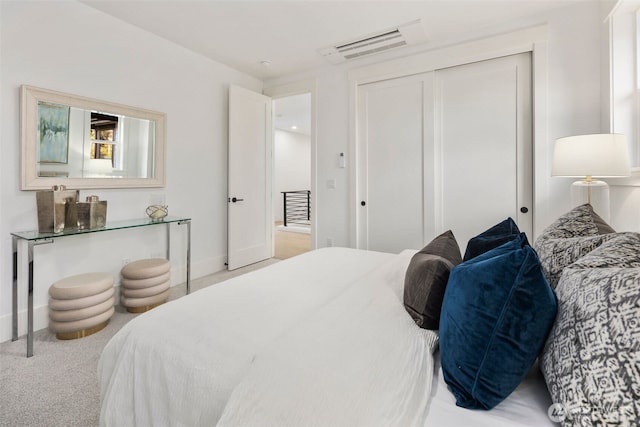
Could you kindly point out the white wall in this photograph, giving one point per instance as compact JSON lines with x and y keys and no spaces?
{"x":68,"y":54}
{"x":623,"y":114}
{"x":292,"y":167}
{"x":72,"y":48}
{"x":573,"y":105}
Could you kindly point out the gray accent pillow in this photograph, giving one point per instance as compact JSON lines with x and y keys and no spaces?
{"x":579,"y":221}
{"x":603,"y":227}
{"x":621,"y":250}
{"x":556,"y":254}
{"x":591,"y":359}
{"x":426,"y":279}
{"x":570,"y":237}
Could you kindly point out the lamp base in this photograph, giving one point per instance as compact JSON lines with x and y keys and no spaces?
{"x":594,"y":192}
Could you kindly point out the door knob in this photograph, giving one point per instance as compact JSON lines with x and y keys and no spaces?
{"x":235,"y":199}
{"x":363,"y":203}
{"x":524,"y":209}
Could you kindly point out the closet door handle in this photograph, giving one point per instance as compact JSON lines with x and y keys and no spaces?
{"x":235,"y":199}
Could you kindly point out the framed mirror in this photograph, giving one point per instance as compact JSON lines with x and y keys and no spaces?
{"x":87,"y":143}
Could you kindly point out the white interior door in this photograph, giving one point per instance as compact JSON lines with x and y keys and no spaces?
{"x":448,"y":149}
{"x":250,"y":233}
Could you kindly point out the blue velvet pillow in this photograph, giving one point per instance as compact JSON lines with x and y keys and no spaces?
{"x":497,"y":311}
{"x":495,"y":236}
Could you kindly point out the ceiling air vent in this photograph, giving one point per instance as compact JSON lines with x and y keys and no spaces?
{"x":403,"y":35}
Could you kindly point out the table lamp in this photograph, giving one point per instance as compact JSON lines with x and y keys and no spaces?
{"x":588,"y":157}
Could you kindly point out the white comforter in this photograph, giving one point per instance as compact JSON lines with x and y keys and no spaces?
{"x":321,"y":338}
{"x":359,"y":361}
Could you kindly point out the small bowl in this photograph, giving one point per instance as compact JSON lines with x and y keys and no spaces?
{"x":157,"y":212}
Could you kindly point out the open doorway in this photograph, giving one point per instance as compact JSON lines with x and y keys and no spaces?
{"x":292,"y":196}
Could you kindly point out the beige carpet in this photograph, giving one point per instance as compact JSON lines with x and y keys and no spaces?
{"x":58,"y":386}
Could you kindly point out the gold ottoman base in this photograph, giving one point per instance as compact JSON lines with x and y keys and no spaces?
{"x":144,"y":308}
{"x":83,"y":333}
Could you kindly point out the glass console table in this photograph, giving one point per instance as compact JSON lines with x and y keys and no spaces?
{"x":35,"y":238}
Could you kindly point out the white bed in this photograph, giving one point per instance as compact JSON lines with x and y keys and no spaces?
{"x":319,"y":339}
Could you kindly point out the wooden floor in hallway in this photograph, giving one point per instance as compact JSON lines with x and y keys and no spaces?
{"x":289,"y":243}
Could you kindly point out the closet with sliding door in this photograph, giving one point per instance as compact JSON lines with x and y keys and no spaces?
{"x":445,"y":149}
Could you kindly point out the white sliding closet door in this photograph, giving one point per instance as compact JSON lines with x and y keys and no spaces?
{"x":448,"y":149}
{"x":483,"y":133}
{"x":390,"y":165}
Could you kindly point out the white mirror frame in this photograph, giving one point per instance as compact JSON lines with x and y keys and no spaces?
{"x":29,"y":179}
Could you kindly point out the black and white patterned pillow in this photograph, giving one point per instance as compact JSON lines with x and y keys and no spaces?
{"x":591,"y":359}
{"x":621,"y":250}
{"x":570,"y":237}
{"x":556,"y":254}
{"x":579,"y":221}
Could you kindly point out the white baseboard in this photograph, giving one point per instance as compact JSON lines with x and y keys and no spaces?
{"x":198,"y":269}
{"x":41,"y":312}
{"x":40,"y":321}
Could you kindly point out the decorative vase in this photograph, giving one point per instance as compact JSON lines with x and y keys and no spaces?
{"x":92,"y":213}
{"x":57,"y":209}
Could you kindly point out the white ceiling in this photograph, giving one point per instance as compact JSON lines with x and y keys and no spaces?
{"x":288,"y":34}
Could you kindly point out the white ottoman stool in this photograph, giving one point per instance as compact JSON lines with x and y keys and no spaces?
{"x":81,"y":305}
{"x":145,"y":284}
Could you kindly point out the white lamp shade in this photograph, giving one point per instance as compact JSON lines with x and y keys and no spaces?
{"x":597,"y":155}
